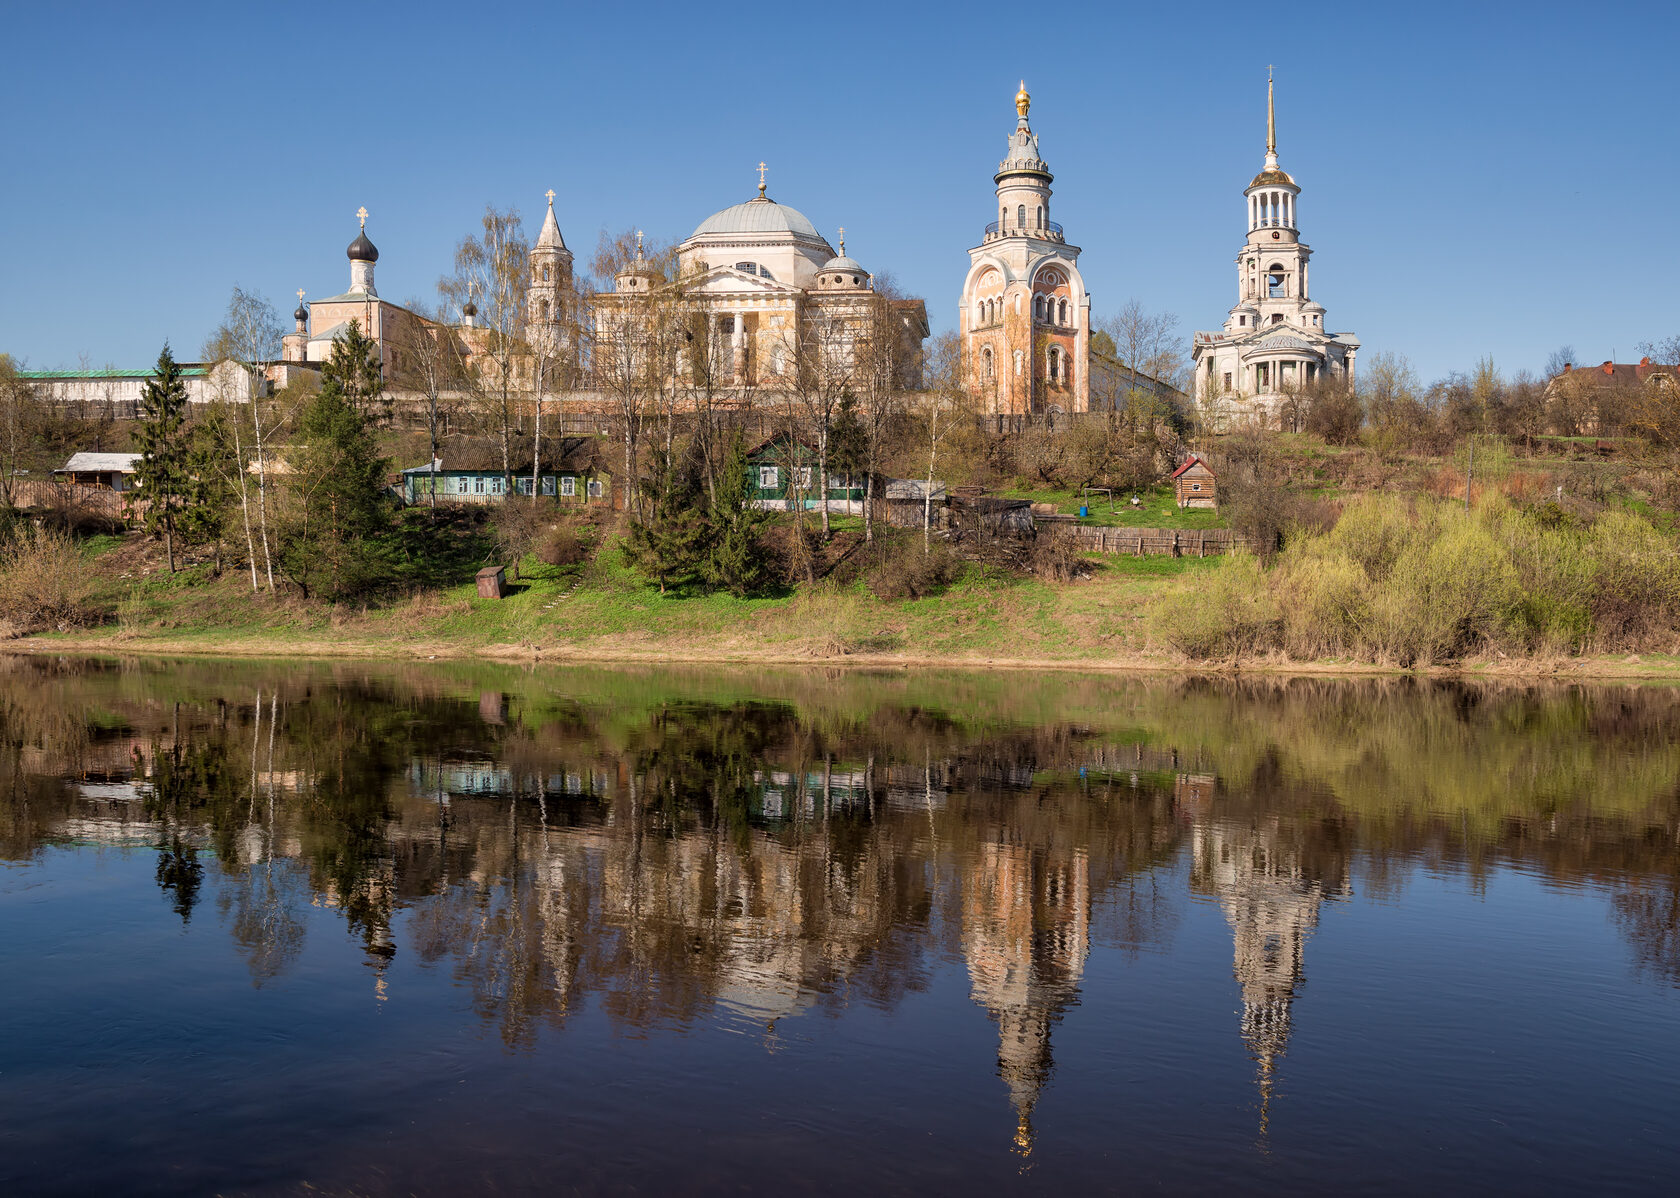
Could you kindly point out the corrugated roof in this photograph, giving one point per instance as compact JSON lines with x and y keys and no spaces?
{"x":187,"y":371}
{"x":99,"y":463}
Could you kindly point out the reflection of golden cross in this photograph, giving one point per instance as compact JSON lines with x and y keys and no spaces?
{"x":761,"y":169}
{"x":300,"y":295}
{"x":361,"y":214}
{"x":550,"y":194}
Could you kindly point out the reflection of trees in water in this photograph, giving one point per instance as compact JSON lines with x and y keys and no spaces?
{"x":1648,"y":913}
{"x":665,"y":860}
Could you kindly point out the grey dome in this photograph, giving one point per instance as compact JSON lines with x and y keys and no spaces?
{"x":361,"y":249}
{"x":762,"y":215}
{"x":844,"y":265}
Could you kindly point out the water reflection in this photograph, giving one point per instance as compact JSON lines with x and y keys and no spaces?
{"x":667,"y":849}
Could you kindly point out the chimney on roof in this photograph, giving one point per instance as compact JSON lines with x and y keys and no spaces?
{"x":1609,"y":367}
{"x":1646,"y":360}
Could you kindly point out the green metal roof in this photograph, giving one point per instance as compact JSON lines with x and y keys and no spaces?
{"x":186,"y":372}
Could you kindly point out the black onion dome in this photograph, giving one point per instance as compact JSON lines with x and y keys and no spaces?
{"x":302,"y":313}
{"x":469,"y":309}
{"x":361,"y":249}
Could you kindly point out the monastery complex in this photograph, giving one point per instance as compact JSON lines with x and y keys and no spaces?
{"x":755,"y":300}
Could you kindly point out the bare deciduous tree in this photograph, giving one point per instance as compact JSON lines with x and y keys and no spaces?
{"x":250,"y":336}
{"x":492,"y":269}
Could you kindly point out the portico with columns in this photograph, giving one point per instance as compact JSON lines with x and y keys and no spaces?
{"x":761,"y":291}
{"x":1274,"y":343}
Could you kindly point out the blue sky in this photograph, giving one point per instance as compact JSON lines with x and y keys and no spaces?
{"x":1478,"y":179}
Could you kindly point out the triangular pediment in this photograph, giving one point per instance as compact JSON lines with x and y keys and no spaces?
{"x":717,"y":280}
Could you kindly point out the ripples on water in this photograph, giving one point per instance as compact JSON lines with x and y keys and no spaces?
{"x":281,"y":928}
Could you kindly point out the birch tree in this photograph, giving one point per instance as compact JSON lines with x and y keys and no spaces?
{"x":492,"y":270}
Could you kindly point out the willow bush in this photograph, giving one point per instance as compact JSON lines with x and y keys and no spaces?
{"x":1416,"y":581}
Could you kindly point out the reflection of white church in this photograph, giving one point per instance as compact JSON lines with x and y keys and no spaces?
{"x":1271,"y":901}
{"x":1274,"y":340}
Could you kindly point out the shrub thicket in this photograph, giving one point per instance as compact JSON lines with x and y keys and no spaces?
{"x":1417,"y":582}
{"x":906,"y":571}
{"x":44,"y":581}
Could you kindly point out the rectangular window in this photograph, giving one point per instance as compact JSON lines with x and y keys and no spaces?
{"x":594,"y":488}
{"x":1227,"y":380}
{"x":478,"y":486}
{"x":767,"y":478}
{"x":568,"y":486}
{"x":497,"y":485}
{"x":805,"y":478}
{"x":548,"y":484}
{"x":524,"y":484}
{"x":836,"y":482}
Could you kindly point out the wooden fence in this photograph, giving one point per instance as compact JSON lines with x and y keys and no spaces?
{"x":39,"y":494}
{"x":1150,"y":542}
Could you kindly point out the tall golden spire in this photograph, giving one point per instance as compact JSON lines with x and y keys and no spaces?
{"x":1271,"y":116}
{"x":1022,"y":100}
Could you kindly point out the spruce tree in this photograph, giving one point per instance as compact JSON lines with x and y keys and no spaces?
{"x":208,"y":493}
{"x":162,"y":439}
{"x":354,"y":367}
{"x":338,"y":511}
{"x":848,"y":440}
{"x":670,"y":546}
{"x":735,"y":562}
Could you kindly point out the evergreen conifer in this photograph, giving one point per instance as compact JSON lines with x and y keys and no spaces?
{"x":161,"y":437}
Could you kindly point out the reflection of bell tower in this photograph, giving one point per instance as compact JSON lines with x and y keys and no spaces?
{"x":1026,"y":932}
{"x":1270,"y":898}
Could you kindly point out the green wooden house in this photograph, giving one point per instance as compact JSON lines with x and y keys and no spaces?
{"x":568,"y":476}
{"x":782,"y":467}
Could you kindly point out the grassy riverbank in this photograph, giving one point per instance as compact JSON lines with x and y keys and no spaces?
{"x":600,"y":610}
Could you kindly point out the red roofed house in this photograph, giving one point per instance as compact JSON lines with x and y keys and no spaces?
{"x":1194,"y":484}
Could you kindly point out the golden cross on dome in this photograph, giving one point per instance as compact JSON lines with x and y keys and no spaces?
{"x":300,"y":295}
{"x":361,"y":215}
{"x":638,"y":245}
{"x":550,"y":194}
{"x":842,"y":241}
{"x":761,"y":169}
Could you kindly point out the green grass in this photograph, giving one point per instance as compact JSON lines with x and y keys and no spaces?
{"x":1156,"y":508}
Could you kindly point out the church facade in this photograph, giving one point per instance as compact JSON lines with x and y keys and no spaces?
{"x":1274,"y":342}
{"x":760,"y":295}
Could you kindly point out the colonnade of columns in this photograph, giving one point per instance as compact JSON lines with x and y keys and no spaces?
{"x":1269,"y":209}
{"x":737,"y":340}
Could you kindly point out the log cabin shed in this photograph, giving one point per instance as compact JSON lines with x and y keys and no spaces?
{"x":1194,"y":484}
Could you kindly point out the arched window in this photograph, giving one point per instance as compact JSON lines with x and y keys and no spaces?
{"x":1041,"y":216}
{"x":1053,"y":366}
{"x":542,"y":307}
{"x":986,"y":366}
{"x":1021,"y":215}
{"x":1061,"y":312}
{"x":545,"y":274}
{"x":1038,"y":307}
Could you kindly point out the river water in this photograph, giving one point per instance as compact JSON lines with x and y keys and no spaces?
{"x":314,"y":928}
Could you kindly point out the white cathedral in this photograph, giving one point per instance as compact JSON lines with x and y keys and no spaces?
{"x":1274,"y":341}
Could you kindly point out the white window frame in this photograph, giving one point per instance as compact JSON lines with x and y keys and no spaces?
{"x":769,"y":478}
{"x":594,"y":488}
{"x":568,"y":487}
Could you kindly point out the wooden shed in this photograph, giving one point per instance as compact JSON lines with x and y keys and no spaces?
{"x":1194,"y":484}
